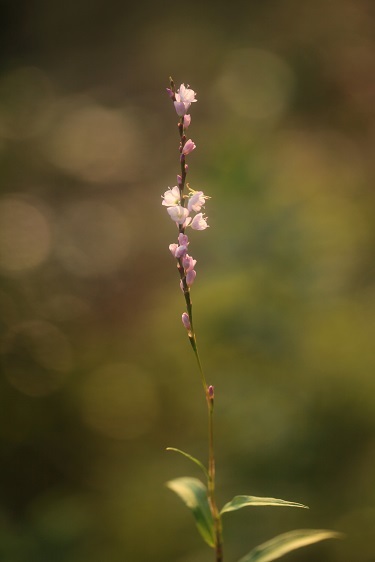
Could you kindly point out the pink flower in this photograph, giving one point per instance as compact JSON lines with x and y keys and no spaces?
{"x":196,"y":201}
{"x":178,"y":214}
{"x":186,"y":321}
{"x":183,"y":239}
{"x":184,"y":98}
{"x":198,"y":222}
{"x":171,"y":197}
{"x":188,"y":262}
{"x":187,"y":121}
{"x":173,"y":248}
{"x":181,"y":251}
{"x":190,"y":276}
{"x":188,"y":147}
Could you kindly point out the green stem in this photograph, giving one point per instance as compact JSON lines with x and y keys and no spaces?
{"x":211,"y":483}
{"x":193,"y":342}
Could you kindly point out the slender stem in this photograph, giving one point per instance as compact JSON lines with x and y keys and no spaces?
{"x":208,"y":391}
{"x":211,"y":483}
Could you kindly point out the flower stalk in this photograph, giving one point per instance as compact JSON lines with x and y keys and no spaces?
{"x":180,"y":208}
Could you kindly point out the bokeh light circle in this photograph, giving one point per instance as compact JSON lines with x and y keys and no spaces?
{"x":25,"y":235}
{"x":93,"y":239}
{"x":94,"y":143}
{"x":256,"y":84}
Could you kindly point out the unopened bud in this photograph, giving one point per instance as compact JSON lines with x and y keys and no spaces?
{"x":170,"y":93}
{"x":211,"y":392}
{"x":186,"y":321}
{"x":187,"y":121}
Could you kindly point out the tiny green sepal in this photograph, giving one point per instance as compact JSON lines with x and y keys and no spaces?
{"x":253,"y":501}
{"x":196,"y":461}
{"x":282,"y":544}
{"x":194,"y":494}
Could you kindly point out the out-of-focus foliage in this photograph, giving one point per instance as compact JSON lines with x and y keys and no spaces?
{"x":97,"y":375}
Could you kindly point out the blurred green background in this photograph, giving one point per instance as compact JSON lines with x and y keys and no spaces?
{"x":97,"y":374}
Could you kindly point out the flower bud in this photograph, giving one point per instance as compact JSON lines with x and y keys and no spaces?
{"x":187,"y":121}
{"x":190,"y":276}
{"x":189,"y":146}
{"x":186,"y":321}
{"x":183,"y":239}
{"x":170,"y":93}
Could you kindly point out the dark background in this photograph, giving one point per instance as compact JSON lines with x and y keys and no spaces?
{"x":97,"y":375}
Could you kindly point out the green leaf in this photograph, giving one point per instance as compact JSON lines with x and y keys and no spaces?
{"x":282,"y":544}
{"x":194,"y":494}
{"x":243,"y":501}
{"x":189,"y":457}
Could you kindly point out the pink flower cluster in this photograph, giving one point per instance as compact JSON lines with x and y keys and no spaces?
{"x":179,"y":251}
{"x":184,"y":210}
{"x":180,"y":214}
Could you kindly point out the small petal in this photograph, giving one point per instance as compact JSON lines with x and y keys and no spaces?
{"x":178,"y":213}
{"x":198,"y":222}
{"x":187,"y":222}
{"x":173,"y":248}
{"x":171,"y":197}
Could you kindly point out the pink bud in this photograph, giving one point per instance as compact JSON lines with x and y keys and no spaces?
{"x":179,"y":179}
{"x":173,"y":248}
{"x":186,"y":321}
{"x":170,"y":93}
{"x":187,"y":121}
{"x":181,"y":251}
{"x":211,"y":392}
{"x":190,"y":276}
{"x":188,"y":262}
{"x":180,"y":107}
{"x":189,"y":146}
{"x":183,"y":239}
